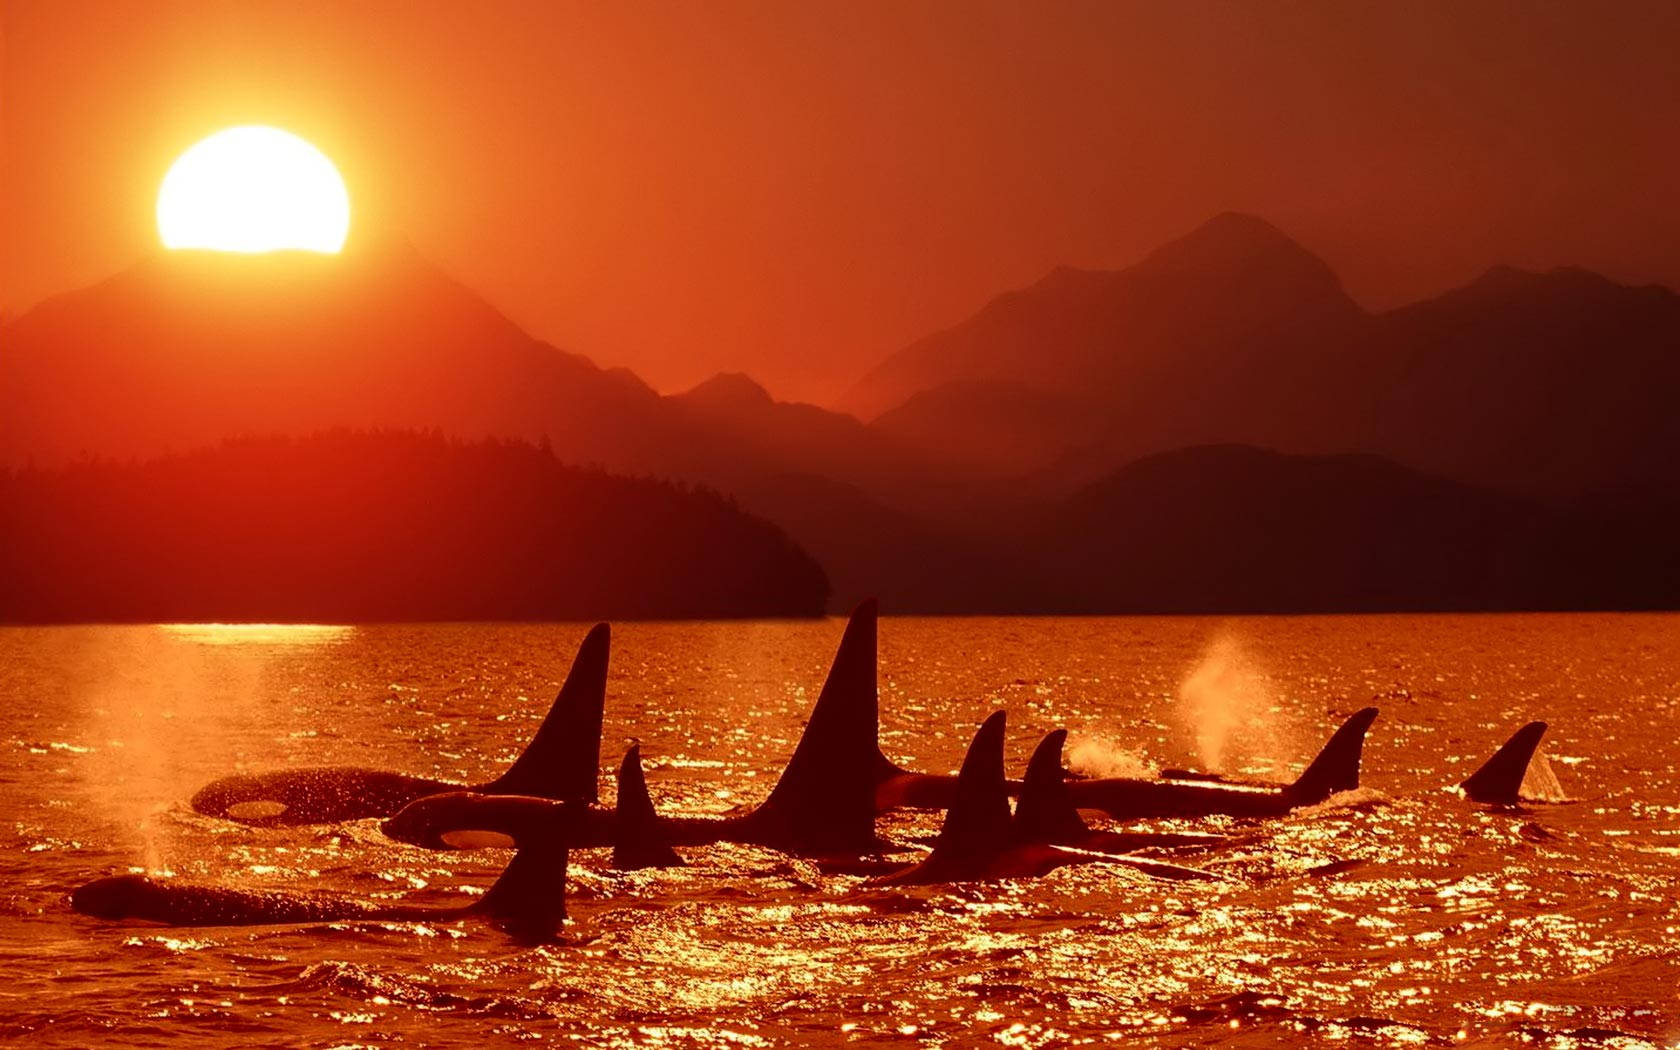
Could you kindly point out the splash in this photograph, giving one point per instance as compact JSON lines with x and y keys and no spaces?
{"x":1540,"y":782}
{"x":1097,"y":756}
{"x":1228,"y":706}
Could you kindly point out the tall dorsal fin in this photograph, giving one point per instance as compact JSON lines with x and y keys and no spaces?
{"x":1046,"y":812}
{"x":825,"y":798}
{"x":529,"y":899}
{"x":1337,"y":766}
{"x":977,"y":824}
{"x":640,"y":842}
{"x":564,"y":758}
{"x":1500,"y":778}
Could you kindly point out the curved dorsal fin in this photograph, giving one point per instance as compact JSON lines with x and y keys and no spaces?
{"x":825,"y":798}
{"x":1500,"y":778}
{"x":1337,"y":766}
{"x":563,"y":759}
{"x":640,"y":841}
{"x":1046,"y":812}
{"x":977,"y":824}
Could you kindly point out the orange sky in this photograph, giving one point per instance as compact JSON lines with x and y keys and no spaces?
{"x":798,"y":189}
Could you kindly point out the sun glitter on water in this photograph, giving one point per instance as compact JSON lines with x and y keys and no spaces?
{"x":253,"y":189}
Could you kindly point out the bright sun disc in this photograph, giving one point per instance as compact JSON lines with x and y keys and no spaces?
{"x":253,"y":189}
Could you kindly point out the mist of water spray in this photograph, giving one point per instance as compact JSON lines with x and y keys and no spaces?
{"x":160,"y":711}
{"x":1097,"y":756}
{"x":1228,"y":707}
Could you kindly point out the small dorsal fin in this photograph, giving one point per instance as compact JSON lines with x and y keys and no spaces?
{"x":1501,"y":777}
{"x":1046,"y":812}
{"x":1337,"y":766}
{"x":825,"y":798}
{"x":977,"y":825}
{"x":529,"y":899}
{"x":563,"y":760}
{"x":640,"y":842}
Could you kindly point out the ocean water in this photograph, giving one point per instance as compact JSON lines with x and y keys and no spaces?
{"x":1396,"y":915}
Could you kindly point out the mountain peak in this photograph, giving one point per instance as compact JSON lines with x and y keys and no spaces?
{"x":1505,"y":278}
{"x":729,"y":390}
{"x":1236,"y":244}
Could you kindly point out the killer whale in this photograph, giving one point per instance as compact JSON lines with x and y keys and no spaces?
{"x":559,"y":763}
{"x":981,"y":840}
{"x":460,"y":820}
{"x":1046,"y":812}
{"x":1336,"y":768}
{"x":528,"y":899}
{"x":823,"y":804}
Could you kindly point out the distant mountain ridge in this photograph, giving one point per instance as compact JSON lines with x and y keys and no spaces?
{"x":186,"y":349}
{"x":989,"y":445}
{"x":1234,"y":333}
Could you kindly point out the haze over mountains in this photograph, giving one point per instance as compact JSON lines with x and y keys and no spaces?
{"x":997,"y":455}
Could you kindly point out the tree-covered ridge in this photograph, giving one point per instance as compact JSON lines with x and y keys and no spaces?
{"x":383,"y":525}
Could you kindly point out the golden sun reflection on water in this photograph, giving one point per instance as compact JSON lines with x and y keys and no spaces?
{"x":259,"y":633}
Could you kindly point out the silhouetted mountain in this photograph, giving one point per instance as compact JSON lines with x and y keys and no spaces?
{"x":1555,"y":382}
{"x":753,"y":433}
{"x":1551,"y":383}
{"x":186,"y":349}
{"x":1196,"y":341}
{"x":1556,"y":387}
{"x":383,"y":526}
{"x":992,"y":429}
{"x":1239,"y":529}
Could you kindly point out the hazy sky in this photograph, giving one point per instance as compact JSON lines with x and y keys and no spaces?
{"x":797,"y":189}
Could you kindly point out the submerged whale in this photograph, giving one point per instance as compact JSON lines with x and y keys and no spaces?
{"x":981,"y":840}
{"x":528,"y":900}
{"x":823,"y":805}
{"x":559,"y":763}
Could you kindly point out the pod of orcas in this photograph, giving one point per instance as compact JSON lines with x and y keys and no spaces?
{"x":823,"y":807}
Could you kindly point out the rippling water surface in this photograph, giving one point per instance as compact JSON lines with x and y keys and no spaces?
{"x":1399,"y":914}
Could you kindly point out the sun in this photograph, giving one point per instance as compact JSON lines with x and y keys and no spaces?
{"x":253,"y":189}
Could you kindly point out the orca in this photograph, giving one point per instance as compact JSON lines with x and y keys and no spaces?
{"x":1499,"y":780}
{"x":459,"y":820}
{"x":1046,"y":812}
{"x":528,"y":900}
{"x":1175,"y":794}
{"x":1182,"y":795}
{"x":1336,"y":768}
{"x":560,"y":763}
{"x":823,"y":805}
{"x":980,"y":840}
